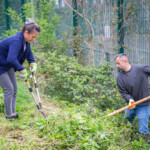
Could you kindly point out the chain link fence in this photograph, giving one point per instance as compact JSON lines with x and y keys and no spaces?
{"x":103,"y":16}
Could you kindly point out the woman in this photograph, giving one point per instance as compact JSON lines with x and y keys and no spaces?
{"x":13,"y":52}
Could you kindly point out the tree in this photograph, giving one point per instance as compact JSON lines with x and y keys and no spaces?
{"x":90,"y":31}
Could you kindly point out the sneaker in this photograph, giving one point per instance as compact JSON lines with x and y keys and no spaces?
{"x":12,"y":117}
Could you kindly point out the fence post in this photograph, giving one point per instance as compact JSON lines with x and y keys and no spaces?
{"x":75,"y":19}
{"x":107,"y":58}
{"x":120,"y":26}
{"x":75,"y":24}
{"x":6,"y":15}
{"x":22,"y":12}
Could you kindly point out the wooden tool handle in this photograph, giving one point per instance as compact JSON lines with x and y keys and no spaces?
{"x":126,"y":107}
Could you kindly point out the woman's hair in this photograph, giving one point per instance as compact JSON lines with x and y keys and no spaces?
{"x":30,"y":26}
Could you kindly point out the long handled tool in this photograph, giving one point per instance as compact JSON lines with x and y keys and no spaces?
{"x":126,"y":107}
{"x":38,"y":104}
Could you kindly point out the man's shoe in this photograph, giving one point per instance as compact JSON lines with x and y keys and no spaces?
{"x":12,"y":117}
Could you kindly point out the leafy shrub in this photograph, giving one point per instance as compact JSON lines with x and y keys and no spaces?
{"x":69,"y":80}
{"x":73,"y":128}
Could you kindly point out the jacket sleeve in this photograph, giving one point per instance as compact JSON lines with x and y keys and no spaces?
{"x":13,"y":52}
{"x":30,"y":57}
{"x":146,"y":69}
{"x":124,"y":93}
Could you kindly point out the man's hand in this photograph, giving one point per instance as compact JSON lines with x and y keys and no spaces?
{"x":23,"y":74}
{"x":33,"y":67}
{"x":131,"y":104}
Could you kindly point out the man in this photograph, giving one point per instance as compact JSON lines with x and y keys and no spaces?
{"x":132,"y":82}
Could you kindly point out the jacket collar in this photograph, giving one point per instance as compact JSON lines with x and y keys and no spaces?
{"x":21,"y":37}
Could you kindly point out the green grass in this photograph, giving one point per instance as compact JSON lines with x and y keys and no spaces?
{"x":24,"y":98}
{"x":20,"y":134}
{"x":67,"y":127}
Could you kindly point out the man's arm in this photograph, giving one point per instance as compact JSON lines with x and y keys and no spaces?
{"x":146,"y":69}
{"x":124,"y":93}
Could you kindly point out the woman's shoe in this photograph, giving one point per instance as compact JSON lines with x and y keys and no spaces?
{"x":12,"y":117}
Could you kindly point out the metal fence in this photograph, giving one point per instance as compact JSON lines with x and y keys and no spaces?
{"x":103,"y":15}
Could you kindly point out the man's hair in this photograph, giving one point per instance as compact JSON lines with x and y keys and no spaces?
{"x":122,"y":56}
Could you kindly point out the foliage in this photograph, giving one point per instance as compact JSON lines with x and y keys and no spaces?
{"x":1,"y":101}
{"x":43,"y":11}
{"x":71,"y":127}
{"x":74,"y":126}
{"x":66,"y":79}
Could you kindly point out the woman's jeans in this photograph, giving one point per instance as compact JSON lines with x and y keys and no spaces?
{"x":9,"y":85}
{"x":142,"y":113}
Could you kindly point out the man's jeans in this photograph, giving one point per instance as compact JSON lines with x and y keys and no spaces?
{"x":142,"y":113}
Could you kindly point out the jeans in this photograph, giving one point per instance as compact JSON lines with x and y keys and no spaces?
{"x":142,"y":113}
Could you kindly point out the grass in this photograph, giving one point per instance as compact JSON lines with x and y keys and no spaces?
{"x":20,"y":134}
{"x":67,"y":127}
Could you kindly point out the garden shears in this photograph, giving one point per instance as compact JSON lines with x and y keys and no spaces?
{"x":38,"y":103}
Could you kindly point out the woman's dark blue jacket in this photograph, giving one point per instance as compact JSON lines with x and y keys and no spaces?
{"x":12,"y":54}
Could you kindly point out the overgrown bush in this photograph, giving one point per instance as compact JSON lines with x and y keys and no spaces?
{"x":66,"y":79}
{"x":73,"y":128}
